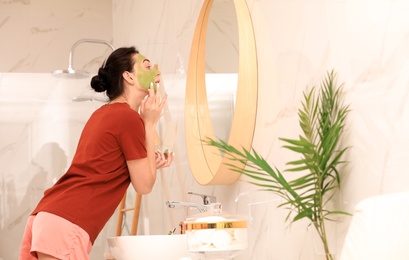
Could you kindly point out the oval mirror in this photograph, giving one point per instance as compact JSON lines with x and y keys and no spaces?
{"x":208,"y":165}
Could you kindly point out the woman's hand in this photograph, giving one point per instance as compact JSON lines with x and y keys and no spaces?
{"x":163,"y":159}
{"x":151,"y":106}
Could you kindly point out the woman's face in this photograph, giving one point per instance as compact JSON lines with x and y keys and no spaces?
{"x":145,"y":72}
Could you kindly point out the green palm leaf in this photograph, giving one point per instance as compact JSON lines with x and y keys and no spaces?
{"x":322,"y":121}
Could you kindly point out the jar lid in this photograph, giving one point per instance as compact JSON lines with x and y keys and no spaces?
{"x":215,"y":225}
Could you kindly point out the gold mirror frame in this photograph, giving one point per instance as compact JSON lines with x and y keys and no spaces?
{"x":207,"y":164}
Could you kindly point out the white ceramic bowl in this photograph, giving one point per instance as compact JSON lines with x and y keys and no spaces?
{"x":154,"y":247}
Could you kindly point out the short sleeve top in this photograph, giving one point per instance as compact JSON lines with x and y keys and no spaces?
{"x":91,"y":189}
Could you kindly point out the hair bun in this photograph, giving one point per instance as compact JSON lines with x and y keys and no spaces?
{"x":99,"y":82}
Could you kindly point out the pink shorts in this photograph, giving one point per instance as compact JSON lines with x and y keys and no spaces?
{"x":52,"y":235}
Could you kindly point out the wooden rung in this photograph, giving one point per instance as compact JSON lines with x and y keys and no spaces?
{"x":127,"y":209}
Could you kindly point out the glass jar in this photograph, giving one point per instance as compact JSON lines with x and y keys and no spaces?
{"x":215,"y":233}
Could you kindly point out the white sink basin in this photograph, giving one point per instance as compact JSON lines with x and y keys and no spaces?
{"x":154,"y":247}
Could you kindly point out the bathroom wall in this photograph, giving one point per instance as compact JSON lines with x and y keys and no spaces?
{"x":39,"y":122}
{"x":40,"y":127}
{"x":297,"y":43}
{"x":37,"y":35}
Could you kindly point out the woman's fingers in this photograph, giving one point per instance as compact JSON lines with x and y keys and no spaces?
{"x":163,"y":161}
{"x":153,"y":104}
{"x":155,"y":98}
{"x":151,"y":90}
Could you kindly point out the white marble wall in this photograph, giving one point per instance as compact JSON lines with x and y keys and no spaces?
{"x":40,"y":127}
{"x":297,"y":43}
{"x":37,"y":35}
{"x":39,"y":123}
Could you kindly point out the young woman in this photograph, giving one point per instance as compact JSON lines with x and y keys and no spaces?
{"x":116,"y":148}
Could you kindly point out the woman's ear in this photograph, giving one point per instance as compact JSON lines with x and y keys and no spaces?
{"x":128,"y":77}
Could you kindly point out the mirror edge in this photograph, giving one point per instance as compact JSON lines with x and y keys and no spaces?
{"x":214,"y":171}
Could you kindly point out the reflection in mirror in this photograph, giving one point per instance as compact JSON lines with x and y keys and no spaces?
{"x":221,"y":94}
{"x":222,"y":63}
{"x":222,"y":40}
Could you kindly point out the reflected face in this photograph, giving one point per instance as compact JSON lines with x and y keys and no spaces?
{"x":146,"y":74}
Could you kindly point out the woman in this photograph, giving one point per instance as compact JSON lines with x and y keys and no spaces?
{"x":116,"y":148}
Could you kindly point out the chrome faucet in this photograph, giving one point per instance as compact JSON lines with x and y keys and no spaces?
{"x":207,"y":199}
{"x":200,"y":207}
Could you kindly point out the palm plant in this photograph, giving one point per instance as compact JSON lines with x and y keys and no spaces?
{"x":322,"y":120}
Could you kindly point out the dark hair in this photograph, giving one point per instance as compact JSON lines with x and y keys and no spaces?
{"x":109,"y":76}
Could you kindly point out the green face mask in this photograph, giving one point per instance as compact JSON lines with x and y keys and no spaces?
{"x":145,"y":78}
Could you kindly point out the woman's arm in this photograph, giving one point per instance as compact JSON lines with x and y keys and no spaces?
{"x":143,"y":171}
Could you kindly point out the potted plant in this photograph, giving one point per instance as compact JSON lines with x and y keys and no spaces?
{"x":322,"y":121}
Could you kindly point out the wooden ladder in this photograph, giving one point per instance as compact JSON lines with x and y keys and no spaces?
{"x":135,"y":218}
